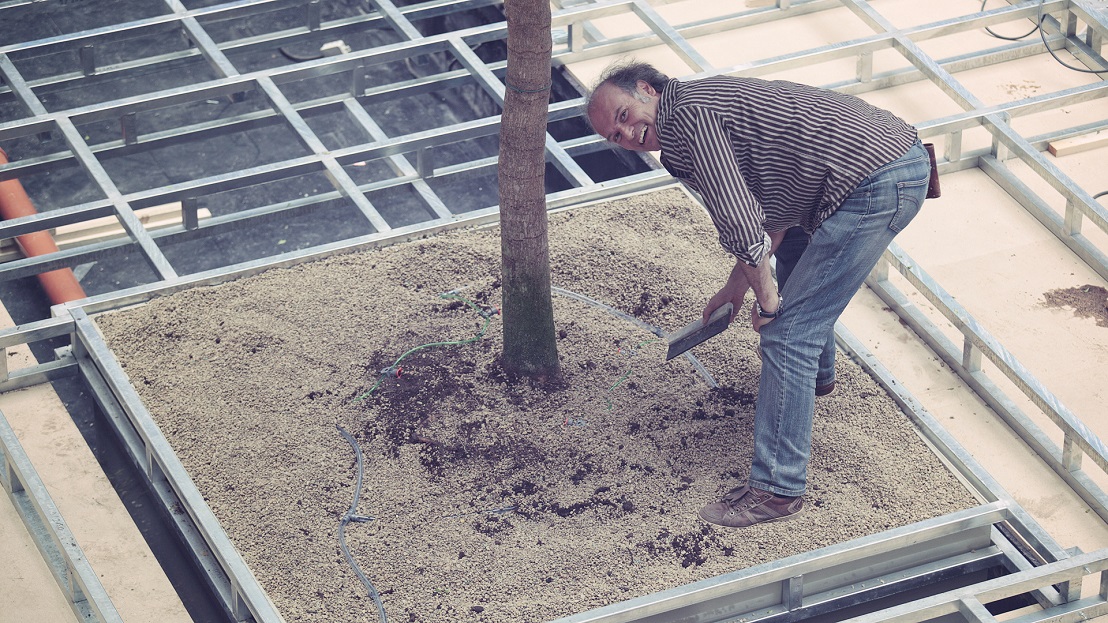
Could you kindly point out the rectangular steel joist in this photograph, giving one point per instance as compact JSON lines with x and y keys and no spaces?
{"x":50,"y":532}
{"x":965,"y":360}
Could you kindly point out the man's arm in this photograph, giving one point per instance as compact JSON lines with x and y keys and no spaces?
{"x":765,"y":291}
{"x":743,"y":277}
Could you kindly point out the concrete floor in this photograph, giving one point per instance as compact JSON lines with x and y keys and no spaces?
{"x":980,"y":244}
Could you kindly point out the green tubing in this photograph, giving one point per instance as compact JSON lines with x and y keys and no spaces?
{"x":396,"y":365}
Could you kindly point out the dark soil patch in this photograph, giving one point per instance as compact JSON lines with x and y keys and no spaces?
{"x":1087,"y":301}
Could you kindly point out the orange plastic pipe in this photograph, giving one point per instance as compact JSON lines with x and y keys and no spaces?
{"x":61,"y":285}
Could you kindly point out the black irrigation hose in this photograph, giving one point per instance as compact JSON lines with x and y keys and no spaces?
{"x":352,"y":516}
{"x":1042,"y":34}
{"x":299,"y":58}
{"x":1033,"y":30}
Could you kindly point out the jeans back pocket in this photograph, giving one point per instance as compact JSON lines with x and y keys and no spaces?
{"x":909,"y":198}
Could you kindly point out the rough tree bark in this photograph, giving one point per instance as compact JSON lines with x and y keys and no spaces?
{"x":529,"y":342}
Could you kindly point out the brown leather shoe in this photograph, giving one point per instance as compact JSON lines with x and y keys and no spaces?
{"x":745,"y":506}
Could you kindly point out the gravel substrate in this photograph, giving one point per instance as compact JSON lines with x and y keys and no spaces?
{"x":493,"y":500}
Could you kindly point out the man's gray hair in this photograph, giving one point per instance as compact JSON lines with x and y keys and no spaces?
{"x":626,"y":76}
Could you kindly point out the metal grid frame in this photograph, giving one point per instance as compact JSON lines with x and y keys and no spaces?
{"x":577,"y":40}
{"x":582,"y":42}
{"x":230,"y":83}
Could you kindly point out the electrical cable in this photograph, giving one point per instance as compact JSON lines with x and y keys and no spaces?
{"x":1042,"y":34}
{"x":1100,"y":194}
{"x":296,"y":58}
{"x":350,"y":516}
{"x":395,"y":367}
{"x":998,"y":36}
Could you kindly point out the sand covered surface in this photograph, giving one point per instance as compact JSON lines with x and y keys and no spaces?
{"x":492,"y":499}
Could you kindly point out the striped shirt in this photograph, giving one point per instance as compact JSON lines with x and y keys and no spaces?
{"x":765,"y":156}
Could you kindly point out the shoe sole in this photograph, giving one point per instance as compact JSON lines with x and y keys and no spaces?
{"x":789,"y":517}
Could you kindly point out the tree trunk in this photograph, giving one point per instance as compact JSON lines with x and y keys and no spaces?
{"x":529,"y":343}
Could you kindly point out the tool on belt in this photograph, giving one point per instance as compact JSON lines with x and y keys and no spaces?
{"x":933,"y":189}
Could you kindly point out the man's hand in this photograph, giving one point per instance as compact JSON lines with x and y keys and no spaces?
{"x":743,"y":278}
{"x":729,"y":294}
{"x":734,"y":291}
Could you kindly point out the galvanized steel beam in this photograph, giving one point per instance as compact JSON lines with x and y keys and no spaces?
{"x":50,"y":532}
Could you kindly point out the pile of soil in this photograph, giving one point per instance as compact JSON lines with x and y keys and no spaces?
{"x":1087,"y":301}
{"x":493,"y":499}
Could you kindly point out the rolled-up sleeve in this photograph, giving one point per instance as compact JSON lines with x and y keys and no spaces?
{"x":737,"y":215}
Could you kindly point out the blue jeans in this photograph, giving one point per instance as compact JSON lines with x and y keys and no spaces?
{"x":841,"y":252}
{"x":788,"y":254}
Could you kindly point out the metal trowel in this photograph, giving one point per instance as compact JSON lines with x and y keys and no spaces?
{"x":696,"y":331}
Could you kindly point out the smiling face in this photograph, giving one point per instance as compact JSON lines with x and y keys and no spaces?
{"x":626,"y":119}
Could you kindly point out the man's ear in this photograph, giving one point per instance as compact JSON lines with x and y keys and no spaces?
{"x":645,"y":87}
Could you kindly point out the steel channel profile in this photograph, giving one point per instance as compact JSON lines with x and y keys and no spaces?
{"x":603,"y":9}
{"x":235,"y":584}
{"x":168,"y":24}
{"x":591,"y":12}
{"x":1033,"y":543}
{"x":92,"y":167}
{"x":570,"y":170}
{"x":615,"y":46}
{"x":130,"y":198}
{"x":1075,"y":196}
{"x":824,"y":580}
{"x":229,"y":85}
{"x":886,"y":39}
{"x":1078,"y":201}
{"x":389,"y":149}
{"x":971,"y":119}
{"x":977,"y":341}
{"x":641,"y":182}
{"x":202,"y":556}
{"x":67,"y":562}
{"x":1040,"y":210}
{"x":969,"y":601}
{"x":38,"y":372}
{"x":384,"y":147}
